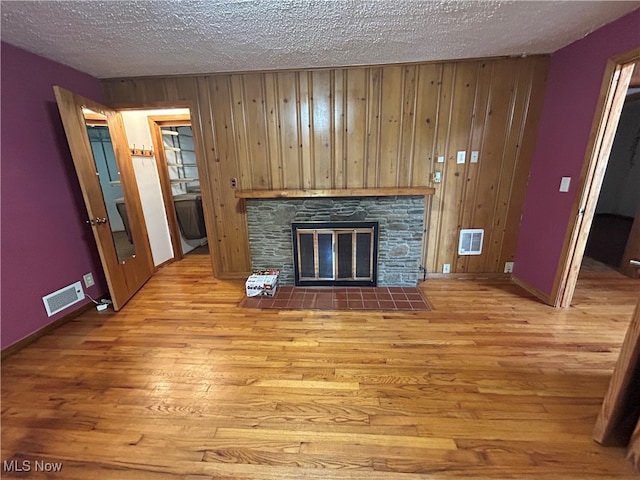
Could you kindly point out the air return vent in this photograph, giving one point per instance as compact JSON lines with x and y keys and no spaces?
{"x":471,"y":241}
{"x":63,"y":298}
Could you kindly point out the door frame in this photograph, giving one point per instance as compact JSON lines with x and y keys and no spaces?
{"x":613,"y":90}
{"x":155,"y":124}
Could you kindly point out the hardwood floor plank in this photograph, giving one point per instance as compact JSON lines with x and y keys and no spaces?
{"x":342,"y":437}
{"x":184,"y":383}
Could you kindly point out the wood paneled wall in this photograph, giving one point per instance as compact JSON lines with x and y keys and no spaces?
{"x":365,"y":127}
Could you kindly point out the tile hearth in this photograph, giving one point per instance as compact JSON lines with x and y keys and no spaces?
{"x":341,"y":298}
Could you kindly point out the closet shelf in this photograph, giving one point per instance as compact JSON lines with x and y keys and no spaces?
{"x":169,"y":132}
{"x":182,"y":165}
{"x":184,"y":180}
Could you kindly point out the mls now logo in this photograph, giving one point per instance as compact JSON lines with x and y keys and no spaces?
{"x":31,"y":466}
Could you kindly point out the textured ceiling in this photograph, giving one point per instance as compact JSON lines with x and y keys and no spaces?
{"x":161,"y":37}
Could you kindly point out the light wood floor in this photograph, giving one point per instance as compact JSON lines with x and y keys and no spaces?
{"x":182,"y":383}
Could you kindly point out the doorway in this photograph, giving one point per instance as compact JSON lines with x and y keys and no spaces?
{"x":166,"y":166}
{"x":616,"y":81}
{"x":117,"y":169}
{"x":172,"y":137}
{"x":619,"y":200}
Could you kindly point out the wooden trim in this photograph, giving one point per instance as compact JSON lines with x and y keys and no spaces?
{"x":28,"y":340}
{"x":96,"y":118}
{"x":467,"y":276}
{"x":151,"y":105}
{"x":344,"y":192}
{"x":611,"y":99}
{"x":175,"y":120}
{"x":165,"y":263}
{"x":533,"y":291}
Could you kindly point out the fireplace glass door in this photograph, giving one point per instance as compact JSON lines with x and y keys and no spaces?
{"x":335,"y":253}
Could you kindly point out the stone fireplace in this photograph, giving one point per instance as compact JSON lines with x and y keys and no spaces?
{"x":399,"y":221}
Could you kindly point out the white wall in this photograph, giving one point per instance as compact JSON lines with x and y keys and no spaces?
{"x":139,"y":135}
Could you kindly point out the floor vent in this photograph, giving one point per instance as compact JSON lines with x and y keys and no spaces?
{"x":471,"y":241}
{"x":63,"y":298}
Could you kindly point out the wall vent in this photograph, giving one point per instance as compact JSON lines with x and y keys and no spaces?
{"x":471,"y":241}
{"x":63,"y":298}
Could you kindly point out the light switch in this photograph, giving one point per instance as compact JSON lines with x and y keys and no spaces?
{"x":474,"y":156}
{"x":564,"y":184}
{"x":461,"y":156}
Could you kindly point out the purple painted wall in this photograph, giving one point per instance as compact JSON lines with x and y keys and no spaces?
{"x":45,"y":244}
{"x":573,"y":86}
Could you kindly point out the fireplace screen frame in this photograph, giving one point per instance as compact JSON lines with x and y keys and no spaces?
{"x":336,"y":277}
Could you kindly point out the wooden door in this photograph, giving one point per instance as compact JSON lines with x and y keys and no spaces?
{"x":620,"y":407}
{"x":105,"y":171}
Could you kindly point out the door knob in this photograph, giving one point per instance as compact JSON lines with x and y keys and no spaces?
{"x":635,"y":263}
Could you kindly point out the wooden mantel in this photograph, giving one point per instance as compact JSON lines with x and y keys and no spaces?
{"x":344,"y":192}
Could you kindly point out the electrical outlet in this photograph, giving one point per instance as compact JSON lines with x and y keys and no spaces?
{"x":441,"y":159}
{"x":508,"y":267}
{"x":88,"y":280}
{"x":437,"y":177}
{"x":446,"y":268}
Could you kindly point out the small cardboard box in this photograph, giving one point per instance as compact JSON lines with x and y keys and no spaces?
{"x":262,"y":283}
